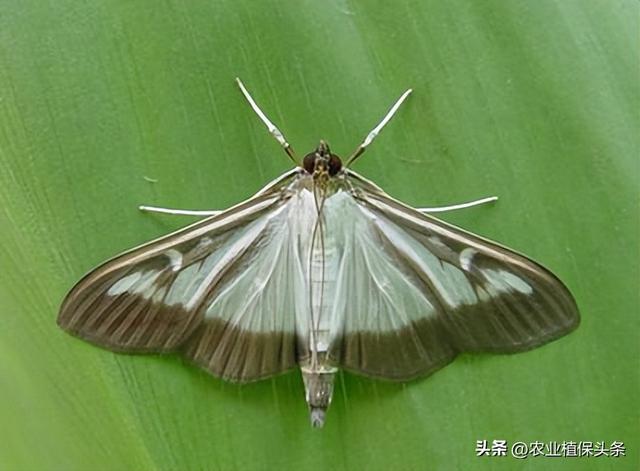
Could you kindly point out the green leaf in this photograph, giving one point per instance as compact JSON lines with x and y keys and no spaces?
{"x":105,"y":105}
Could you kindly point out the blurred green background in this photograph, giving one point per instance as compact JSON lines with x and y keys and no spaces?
{"x":105,"y":105}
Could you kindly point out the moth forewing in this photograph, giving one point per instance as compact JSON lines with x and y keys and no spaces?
{"x":151,"y":298}
{"x":479,"y":295}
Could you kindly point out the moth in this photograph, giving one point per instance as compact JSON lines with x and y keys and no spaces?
{"x":320,"y":269}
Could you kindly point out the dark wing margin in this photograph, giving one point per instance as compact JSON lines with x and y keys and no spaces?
{"x":477,"y":296}
{"x":153,"y":298}
{"x":238,"y":355}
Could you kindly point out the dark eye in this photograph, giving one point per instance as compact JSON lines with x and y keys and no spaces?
{"x":309,"y":162}
{"x":335,"y":165}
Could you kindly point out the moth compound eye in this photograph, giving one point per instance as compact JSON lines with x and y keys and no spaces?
{"x":309,"y":162}
{"x":335,"y":165}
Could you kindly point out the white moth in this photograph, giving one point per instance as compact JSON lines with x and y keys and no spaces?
{"x":320,"y":269}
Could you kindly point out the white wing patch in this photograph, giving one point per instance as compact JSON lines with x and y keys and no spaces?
{"x":222,"y":258}
{"x":268,"y":292}
{"x":466,"y":257}
{"x":139,"y":282}
{"x":370,"y":292}
{"x":503,"y":281}
{"x":449,"y":282}
{"x":175,"y":259}
{"x":124,"y":284}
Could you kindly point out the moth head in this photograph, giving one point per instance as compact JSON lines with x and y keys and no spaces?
{"x":322,"y":161}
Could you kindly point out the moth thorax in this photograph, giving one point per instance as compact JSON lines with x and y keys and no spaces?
{"x":318,"y":387}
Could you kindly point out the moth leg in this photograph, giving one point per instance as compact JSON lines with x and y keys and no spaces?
{"x":182,"y":212}
{"x":469,"y":204}
{"x":275,"y":132}
{"x":375,"y":131}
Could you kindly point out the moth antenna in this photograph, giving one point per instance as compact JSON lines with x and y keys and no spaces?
{"x":375,"y":131}
{"x":275,"y":132}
